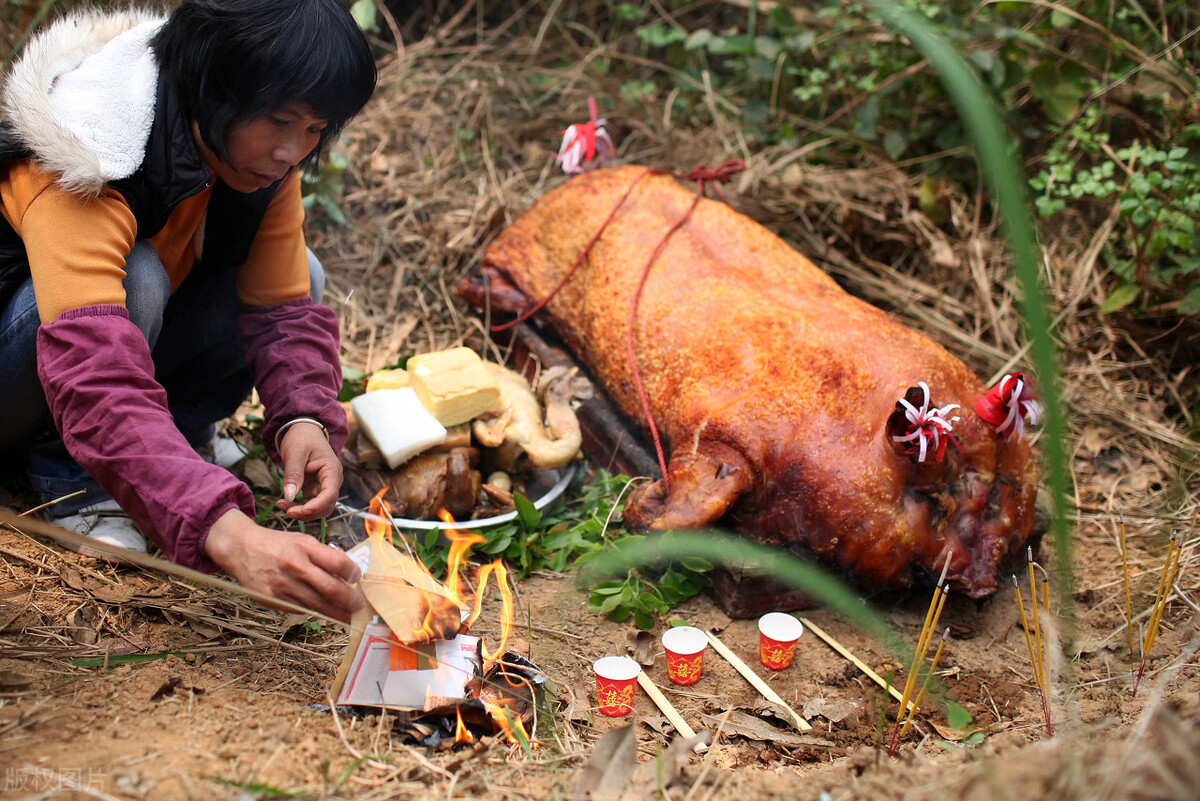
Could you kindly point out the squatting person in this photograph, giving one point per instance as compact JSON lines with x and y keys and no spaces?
{"x":153,"y":269}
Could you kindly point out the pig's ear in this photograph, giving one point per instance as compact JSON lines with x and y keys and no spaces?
{"x":703,"y":486}
{"x":1010,"y":405}
{"x":492,"y":288}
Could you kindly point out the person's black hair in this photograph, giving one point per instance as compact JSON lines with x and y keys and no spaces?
{"x":234,"y":60}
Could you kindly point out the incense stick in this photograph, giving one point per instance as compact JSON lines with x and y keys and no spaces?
{"x":1037,"y":622}
{"x":936,"y":604}
{"x":858,"y":663}
{"x":924,"y":685}
{"x":1165,"y":592}
{"x":931,"y":617}
{"x":749,"y":675}
{"x":1165,"y":586}
{"x":1033,"y":660}
{"x":665,"y":706}
{"x":1043,"y":666}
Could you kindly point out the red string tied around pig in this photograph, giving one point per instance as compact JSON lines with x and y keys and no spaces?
{"x":929,"y":428}
{"x":704,"y":177}
{"x":1010,"y":405}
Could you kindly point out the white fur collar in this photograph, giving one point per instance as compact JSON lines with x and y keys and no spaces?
{"x":82,"y":96}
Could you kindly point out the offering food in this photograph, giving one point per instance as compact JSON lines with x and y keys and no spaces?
{"x":419,"y":422}
{"x":398,"y":424}
{"x":454,"y":385}
{"x":790,"y":410}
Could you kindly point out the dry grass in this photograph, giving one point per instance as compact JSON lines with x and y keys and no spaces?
{"x":461,"y":139}
{"x":458,"y":140}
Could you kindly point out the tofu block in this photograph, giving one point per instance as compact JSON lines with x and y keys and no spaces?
{"x":387,"y":379}
{"x":454,"y":385}
{"x":398,"y":423}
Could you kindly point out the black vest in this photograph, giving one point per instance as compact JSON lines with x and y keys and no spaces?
{"x":171,"y":171}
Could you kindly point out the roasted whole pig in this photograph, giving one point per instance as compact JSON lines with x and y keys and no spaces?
{"x":786,"y":405}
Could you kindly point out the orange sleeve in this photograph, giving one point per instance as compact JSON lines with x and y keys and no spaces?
{"x":276,"y":270}
{"x":76,"y":246}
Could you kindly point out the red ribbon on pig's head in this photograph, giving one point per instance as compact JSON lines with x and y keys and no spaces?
{"x":1010,"y":405}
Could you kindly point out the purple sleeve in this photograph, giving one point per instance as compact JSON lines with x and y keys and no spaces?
{"x":96,"y":370}
{"x":292,"y":351}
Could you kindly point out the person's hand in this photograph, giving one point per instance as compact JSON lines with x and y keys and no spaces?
{"x":309,"y":464}
{"x":285,"y":565}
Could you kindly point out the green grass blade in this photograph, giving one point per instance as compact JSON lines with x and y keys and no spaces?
{"x":1002,"y":174}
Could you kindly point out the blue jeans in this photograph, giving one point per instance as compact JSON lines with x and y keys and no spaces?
{"x":193,"y":340}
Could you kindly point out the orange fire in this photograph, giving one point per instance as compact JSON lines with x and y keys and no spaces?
{"x":378,"y":513}
{"x":506,"y":603}
{"x":378,"y":526}
{"x":503,"y":715}
{"x":461,"y":542}
{"x":461,"y":733}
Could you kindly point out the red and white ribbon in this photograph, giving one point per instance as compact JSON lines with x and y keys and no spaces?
{"x":929,"y":427}
{"x":1010,"y":405}
{"x":583,"y":142}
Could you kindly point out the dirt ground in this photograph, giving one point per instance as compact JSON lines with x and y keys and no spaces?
{"x":226,"y":704}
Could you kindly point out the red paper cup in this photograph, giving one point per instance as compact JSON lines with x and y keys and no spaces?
{"x":685,"y":654}
{"x":616,"y":680}
{"x":778,"y":633}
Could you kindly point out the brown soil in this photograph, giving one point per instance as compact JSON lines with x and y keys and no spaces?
{"x":451,"y":148}
{"x":233,"y":716}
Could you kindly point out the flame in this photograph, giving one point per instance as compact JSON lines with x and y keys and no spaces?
{"x":461,"y":733}
{"x":378,"y":513}
{"x":506,"y":605}
{"x":461,"y":543}
{"x":497,"y":711}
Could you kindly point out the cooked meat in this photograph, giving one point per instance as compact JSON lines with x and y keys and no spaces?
{"x":772,"y":387}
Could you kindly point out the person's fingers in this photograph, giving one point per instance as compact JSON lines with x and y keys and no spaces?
{"x":303,"y":595}
{"x":290,"y":567}
{"x":322,"y":583}
{"x":303,"y":450}
{"x":293,"y":473}
{"x":310,"y":465}
{"x":335,"y":562}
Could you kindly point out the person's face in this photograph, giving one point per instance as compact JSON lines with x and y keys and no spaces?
{"x":263,"y":150}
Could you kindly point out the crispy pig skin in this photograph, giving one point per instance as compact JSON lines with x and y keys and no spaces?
{"x":771,"y":386}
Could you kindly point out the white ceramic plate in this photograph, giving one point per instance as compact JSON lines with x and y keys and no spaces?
{"x":551,"y":484}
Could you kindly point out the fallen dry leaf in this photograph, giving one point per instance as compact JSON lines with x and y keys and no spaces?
{"x":81,"y":629}
{"x":834,"y":711}
{"x":11,"y":679}
{"x":753,"y":728}
{"x":575,"y":699}
{"x":958,"y":735}
{"x":652,"y":777}
{"x":658,"y":723}
{"x":612,"y":762}
{"x":641,"y":644}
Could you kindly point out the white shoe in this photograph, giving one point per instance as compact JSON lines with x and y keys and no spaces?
{"x":105,"y":522}
{"x":222,"y":451}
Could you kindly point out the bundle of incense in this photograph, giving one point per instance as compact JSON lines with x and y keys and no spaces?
{"x":1166,"y":586}
{"x":1036,"y":650}
{"x":930,"y":625}
{"x":912,"y":711}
